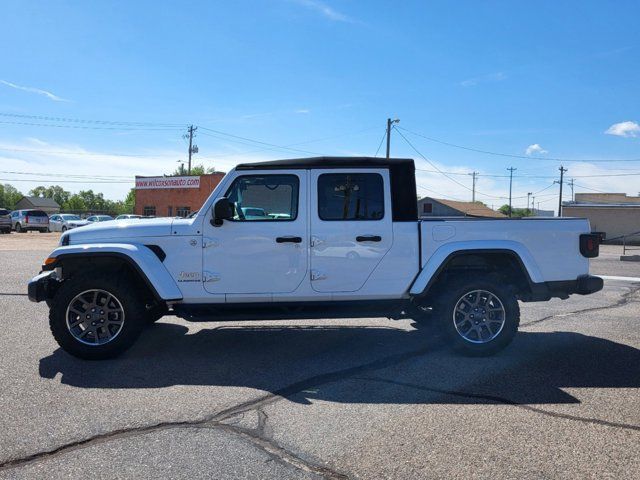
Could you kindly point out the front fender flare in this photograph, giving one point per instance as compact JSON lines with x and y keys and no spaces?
{"x":141,"y":258}
{"x":440,"y":257}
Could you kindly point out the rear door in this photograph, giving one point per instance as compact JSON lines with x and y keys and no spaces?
{"x":351,"y":226}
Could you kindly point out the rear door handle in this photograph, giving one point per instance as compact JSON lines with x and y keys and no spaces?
{"x":368,"y":238}
{"x":288,"y":239}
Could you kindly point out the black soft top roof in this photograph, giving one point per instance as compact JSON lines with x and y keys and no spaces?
{"x":401,"y":173}
{"x":330,"y":162}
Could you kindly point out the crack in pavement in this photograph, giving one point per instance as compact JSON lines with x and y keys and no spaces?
{"x":505,"y":401}
{"x":624,"y":299}
{"x":215,"y":420}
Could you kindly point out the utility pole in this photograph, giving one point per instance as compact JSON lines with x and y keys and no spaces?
{"x":511,"y":170}
{"x":533,"y":204}
{"x":561,"y":181}
{"x":571,"y":185}
{"x":389,"y":125}
{"x":473,"y":189}
{"x":192,"y":148}
{"x":528,"y":198}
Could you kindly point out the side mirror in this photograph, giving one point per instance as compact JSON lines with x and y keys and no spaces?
{"x":222,"y":210}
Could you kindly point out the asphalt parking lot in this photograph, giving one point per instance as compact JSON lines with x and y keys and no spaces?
{"x":366,"y":398}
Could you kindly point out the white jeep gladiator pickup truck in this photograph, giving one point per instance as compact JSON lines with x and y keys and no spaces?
{"x":311,"y":238}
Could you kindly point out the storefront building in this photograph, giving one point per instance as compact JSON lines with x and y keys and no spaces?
{"x":173,"y":196}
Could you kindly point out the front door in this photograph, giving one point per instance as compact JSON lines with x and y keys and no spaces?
{"x":263,"y":249}
{"x":351,"y":227}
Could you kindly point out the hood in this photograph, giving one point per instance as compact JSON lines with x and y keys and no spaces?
{"x":120,"y":229}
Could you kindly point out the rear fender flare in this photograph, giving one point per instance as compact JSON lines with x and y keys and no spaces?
{"x":442,"y":255}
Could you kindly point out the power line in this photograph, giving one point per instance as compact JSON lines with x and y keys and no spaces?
{"x":384,"y":135}
{"x":37,"y":180}
{"x":65,"y":175}
{"x":510,"y":155}
{"x":260,"y":142}
{"x":87,"y":127}
{"x":442,"y":172}
{"x":78,"y":120}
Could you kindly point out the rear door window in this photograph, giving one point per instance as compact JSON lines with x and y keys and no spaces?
{"x":350,"y":196}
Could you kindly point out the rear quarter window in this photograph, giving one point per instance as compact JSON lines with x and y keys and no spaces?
{"x":36,"y":213}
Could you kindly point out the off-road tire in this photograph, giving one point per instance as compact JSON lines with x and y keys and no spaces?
{"x":448,"y":297}
{"x":120,"y":287}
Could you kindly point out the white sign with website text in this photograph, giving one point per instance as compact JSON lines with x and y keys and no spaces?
{"x":145,"y":183}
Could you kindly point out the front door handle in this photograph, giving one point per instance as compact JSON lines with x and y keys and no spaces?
{"x":288,"y":239}
{"x":368,"y":238}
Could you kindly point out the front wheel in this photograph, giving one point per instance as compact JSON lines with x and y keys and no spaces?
{"x":479,"y":317}
{"x":96,"y":317}
{"x":19,"y":228}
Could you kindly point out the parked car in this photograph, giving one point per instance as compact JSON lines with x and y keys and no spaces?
{"x":351,"y":246}
{"x":25,"y":220}
{"x":126,"y":216}
{"x":5,"y":221}
{"x":61,"y":222}
{"x":99,"y":218}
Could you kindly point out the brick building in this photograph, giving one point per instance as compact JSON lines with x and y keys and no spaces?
{"x":173,"y":196}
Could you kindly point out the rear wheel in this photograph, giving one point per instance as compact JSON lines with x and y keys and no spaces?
{"x":96,"y":317}
{"x":479,"y":317}
{"x":64,"y":229}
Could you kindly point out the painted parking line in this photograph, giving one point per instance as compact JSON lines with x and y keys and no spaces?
{"x":624,"y":279}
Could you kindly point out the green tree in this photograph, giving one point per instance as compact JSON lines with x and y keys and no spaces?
{"x":59,"y":194}
{"x":515,"y":212}
{"x":9,"y":196}
{"x":195,"y":170}
{"x":75,"y":203}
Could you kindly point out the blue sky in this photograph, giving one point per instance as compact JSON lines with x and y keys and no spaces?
{"x":502,"y":76}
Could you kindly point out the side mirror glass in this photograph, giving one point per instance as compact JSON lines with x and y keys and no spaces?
{"x":222,"y":210}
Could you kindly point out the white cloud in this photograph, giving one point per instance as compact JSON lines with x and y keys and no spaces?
{"x":323,"y":9}
{"x":38,"y":91}
{"x":303,"y":110}
{"x":624,"y":129}
{"x":490,"y":77}
{"x":535,"y":149}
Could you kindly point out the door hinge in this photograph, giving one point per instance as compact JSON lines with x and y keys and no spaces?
{"x":209,"y":242}
{"x":210,"y":277}
{"x":316,"y":275}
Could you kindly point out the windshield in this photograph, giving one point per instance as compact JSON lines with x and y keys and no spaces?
{"x":71,"y":217}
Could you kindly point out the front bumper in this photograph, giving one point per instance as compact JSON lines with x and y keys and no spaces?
{"x":41,"y":287}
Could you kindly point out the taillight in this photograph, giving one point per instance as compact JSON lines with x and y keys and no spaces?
{"x":26,"y":219}
{"x":590,"y":245}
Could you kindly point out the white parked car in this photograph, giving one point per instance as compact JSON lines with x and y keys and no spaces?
{"x":345,"y":241}
{"x":99,"y":218}
{"x":61,"y":222}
